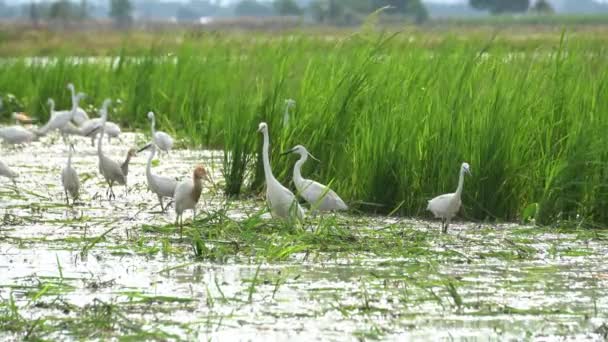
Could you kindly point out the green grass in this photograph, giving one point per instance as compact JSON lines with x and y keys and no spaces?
{"x":391,"y":118}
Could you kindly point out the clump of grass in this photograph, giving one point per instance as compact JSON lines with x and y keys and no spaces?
{"x":391,"y":119}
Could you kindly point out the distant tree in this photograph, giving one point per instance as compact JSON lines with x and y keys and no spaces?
{"x":543,"y":7}
{"x":121,"y":12}
{"x":252,"y":8}
{"x":287,"y":7}
{"x":34,"y":13}
{"x":84,"y":9}
{"x":501,"y":6}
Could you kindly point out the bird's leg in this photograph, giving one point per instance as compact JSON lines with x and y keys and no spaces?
{"x":67,"y":199}
{"x":93,"y":141}
{"x":444,"y":226}
{"x":447,"y":224}
{"x":160,"y":200}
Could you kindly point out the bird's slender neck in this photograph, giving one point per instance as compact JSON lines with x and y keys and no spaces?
{"x":297,"y":169}
{"x":74,"y":104}
{"x":460,"y":183}
{"x":266,"y":159}
{"x":153,"y":125}
{"x":52,"y":105}
{"x":101,"y":133}
{"x":127,"y":159}
{"x":150,"y":157}
{"x":70,"y":157}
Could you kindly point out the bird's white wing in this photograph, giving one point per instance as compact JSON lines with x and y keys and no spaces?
{"x":164,"y":186}
{"x":182,"y":195}
{"x":163,"y":141}
{"x":319,"y":196}
{"x":111,"y":170}
{"x":7,"y":171}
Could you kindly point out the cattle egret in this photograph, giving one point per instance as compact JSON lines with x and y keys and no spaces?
{"x":187,"y":194}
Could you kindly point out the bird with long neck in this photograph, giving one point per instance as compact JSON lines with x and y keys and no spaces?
{"x":111,"y":170}
{"x":161,"y":186}
{"x":282,"y":202}
{"x":319,"y":196}
{"x":289,"y":103}
{"x":69,"y":179}
{"x":160,"y":139}
{"x":446,"y":206}
{"x":80,"y":115}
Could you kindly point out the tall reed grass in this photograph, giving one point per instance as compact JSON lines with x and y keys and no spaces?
{"x":390,"y":119}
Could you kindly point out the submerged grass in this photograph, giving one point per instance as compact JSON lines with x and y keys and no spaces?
{"x":390,"y":118}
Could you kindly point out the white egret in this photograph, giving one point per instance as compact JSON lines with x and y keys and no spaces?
{"x":282,"y":202}
{"x":186,"y":195}
{"x":161,"y":186}
{"x":161,"y":139}
{"x":446,"y":206}
{"x":7,"y":172}
{"x":59,"y":120}
{"x":80,"y":116}
{"x":109,"y":169}
{"x":17,"y":135}
{"x":289,"y":103}
{"x":319,"y":196}
{"x":69,"y":179}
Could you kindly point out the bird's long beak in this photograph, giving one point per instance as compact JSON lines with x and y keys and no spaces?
{"x":144,"y":148}
{"x":287,"y":152}
{"x":313,"y":157}
{"x":93,"y":131}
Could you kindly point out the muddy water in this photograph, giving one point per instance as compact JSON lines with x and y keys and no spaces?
{"x":94,"y":263}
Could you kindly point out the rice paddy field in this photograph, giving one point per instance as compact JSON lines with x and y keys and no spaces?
{"x":391,"y":115}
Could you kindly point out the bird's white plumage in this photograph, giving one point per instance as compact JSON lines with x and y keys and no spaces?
{"x":446,"y":206}
{"x":281,"y":201}
{"x":319,"y":196}
{"x":17,"y":135}
{"x":161,"y":186}
{"x":7,"y":172}
{"x":69,"y":178}
{"x":108,"y":168}
{"x":80,"y":115}
{"x":160,"y":139}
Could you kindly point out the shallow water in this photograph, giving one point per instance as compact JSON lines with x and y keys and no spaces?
{"x":92,"y":272}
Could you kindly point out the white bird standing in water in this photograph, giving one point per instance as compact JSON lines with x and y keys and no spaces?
{"x":160,"y":139}
{"x":319,"y":196}
{"x":15,"y":135}
{"x":7,"y":172}
{"x":446,"y":206}
{"x":161,"y":186}
{"x":80,"y":116}
{"x":59,"y":120}
{"x":282,"y":202}
{"x":110,"y":170}
{"x":187,"y":193}
{"x":289,"y":103}
{"x":69,"y":179}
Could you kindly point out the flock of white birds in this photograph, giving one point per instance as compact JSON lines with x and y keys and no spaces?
{"x":283,"y":204}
